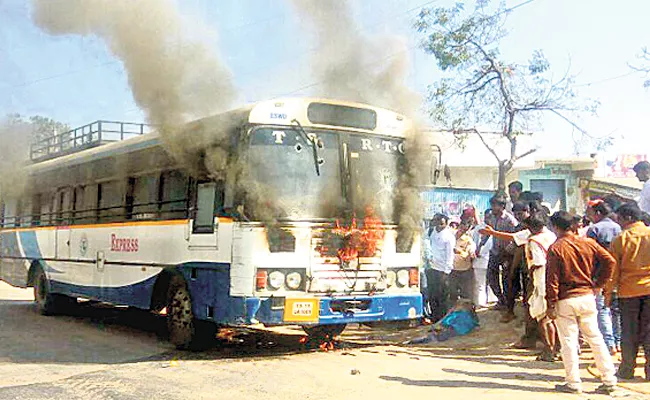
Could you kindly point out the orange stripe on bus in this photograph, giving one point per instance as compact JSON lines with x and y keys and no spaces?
{"x":111,"y":225}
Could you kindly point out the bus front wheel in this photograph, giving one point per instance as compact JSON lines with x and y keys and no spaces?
{"x":324,"y":332}
{"x":185,"y":331}
{"x":48,"y":303}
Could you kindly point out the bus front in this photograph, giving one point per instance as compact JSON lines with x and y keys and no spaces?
{"x":324,"y":185}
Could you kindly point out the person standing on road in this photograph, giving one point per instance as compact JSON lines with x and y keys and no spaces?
{"x":461,"y":279}
{"x":570,"y":288}
{"x":482,"y":293}
{"x":499,"y":260}
{"x":535,"y":241}
{"x":440,"y":256}
{"x":642,"y":170}
{"x":603,"y":230}
{"x":517,"y":272}
{"x":631,"y":279}
{"x":515,"y":189}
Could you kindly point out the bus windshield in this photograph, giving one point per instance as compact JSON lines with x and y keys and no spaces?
{"x":282,"y":161}
{"x":374,"y":174}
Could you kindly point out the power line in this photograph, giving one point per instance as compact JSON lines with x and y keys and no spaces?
{"x":227,"y":30}
{"x":518,"y":5}
{"x":613,"y":78}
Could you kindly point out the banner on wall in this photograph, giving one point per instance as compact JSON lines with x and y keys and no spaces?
{"x":621,"y":166}
{"x":452,"y":202}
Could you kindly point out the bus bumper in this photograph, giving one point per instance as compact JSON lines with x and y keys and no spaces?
{"x":343,"y":310}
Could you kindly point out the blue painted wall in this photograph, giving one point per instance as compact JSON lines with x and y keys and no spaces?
{"x":452,"y":201}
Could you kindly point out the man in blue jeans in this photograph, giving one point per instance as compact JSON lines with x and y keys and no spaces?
{"x":603,"y":230}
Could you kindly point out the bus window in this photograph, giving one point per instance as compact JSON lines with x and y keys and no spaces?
{"x":78,"y":205}
{"x":10,"y":213}
{"x":142,"y":197}
{"x":2,"y":214}
{"x":87,"y":204}
{"x":46,"y":209}
{"x":205,"y":205}
{"x":18,"y":213}
{"x":26,"y":212}
{"x":36,"y":209}
{"x":63,"y":204}
{"x":173,"y":190}
{"x":110,"y":201}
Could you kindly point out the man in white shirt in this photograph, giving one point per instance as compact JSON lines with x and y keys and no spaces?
{"x":642,"y":170}
{"x":537,"y":239}
{"x":440,"y":256}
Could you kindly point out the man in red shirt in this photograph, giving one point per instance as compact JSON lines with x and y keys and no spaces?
{"x":570,"y":288}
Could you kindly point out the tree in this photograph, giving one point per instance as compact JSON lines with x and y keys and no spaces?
{"x":40,"y":127}
{"x":480,"y":92}
{"x":644,"y":57}
{"x":16,"y":135}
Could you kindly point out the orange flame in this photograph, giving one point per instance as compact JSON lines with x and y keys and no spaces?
{"x":354,"y":242}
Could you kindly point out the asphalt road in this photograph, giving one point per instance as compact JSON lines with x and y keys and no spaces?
{"x":107,"y":353}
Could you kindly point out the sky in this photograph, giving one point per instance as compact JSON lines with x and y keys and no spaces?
{"x":76,"y":80}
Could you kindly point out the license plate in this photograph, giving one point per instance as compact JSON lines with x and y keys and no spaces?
{"x":301,"y":310}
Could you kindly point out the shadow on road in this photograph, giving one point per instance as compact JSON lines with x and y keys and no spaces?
{"x":449,"y":383}
{"x":97,"y":333}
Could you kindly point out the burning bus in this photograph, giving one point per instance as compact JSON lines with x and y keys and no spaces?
{"x":282,"y":212}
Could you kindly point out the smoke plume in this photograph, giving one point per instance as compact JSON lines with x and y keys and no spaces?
{"x":173,"y":79}
{"x":15,"y":137}
{"x":368,"y":69}
{"x":351,"y":66}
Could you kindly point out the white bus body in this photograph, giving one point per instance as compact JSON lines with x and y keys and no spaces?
{"x":124,"y":223}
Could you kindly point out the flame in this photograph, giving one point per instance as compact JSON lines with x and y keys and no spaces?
{"x":352,"y":242}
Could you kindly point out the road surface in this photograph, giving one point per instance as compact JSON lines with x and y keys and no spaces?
{"x":106,"y":353}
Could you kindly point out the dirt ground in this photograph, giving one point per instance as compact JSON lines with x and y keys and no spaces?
{"x":107,"y":353}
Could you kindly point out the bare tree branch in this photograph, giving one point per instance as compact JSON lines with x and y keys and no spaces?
{"x":487,"y":146}
{"x":524,"y":154}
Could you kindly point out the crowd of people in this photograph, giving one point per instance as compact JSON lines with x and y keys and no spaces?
{"x":581,"y":279}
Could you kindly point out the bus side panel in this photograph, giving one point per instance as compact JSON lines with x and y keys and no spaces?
{"x":209,"y":285}
{"x":136,"y":295}
{"x":13,"y":270}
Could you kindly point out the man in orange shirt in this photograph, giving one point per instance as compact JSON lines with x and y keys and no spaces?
{"x":631,"y":278}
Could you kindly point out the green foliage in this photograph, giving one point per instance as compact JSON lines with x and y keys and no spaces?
{"x":41,"y":127}
{"x":479,"y":90}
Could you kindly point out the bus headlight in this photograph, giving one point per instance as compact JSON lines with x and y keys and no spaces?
{"x":276,"y":280}
{"x":294,"y":279}
{"x":402,"y":277}
{"x":391,"y":277}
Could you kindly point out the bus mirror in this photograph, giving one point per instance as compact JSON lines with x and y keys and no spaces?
{"x":436,"y":162}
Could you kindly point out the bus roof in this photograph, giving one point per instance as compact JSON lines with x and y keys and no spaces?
{"x":309,"y":112}
{"x":339,"y":115}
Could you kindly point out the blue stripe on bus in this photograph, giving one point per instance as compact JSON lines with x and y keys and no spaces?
{"x":136,"y":295}
{"x":10,"y":244}
{"x":30,"y":244}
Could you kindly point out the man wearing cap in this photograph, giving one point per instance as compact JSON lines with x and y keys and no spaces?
{"x":642,"y":170}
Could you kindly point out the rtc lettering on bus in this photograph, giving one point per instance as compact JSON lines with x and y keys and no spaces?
{"x":387,"y":145}
{"x":125,"y":245}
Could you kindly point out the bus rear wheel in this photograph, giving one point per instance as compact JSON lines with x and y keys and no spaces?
{"x":185,"y":331}
{"x":324,"y":332}
{"x":48,"y":303}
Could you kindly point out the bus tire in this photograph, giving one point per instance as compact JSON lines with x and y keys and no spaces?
{"x":324,"y":332}
{"x":48,"y":303}
{"x":186,"y":332}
